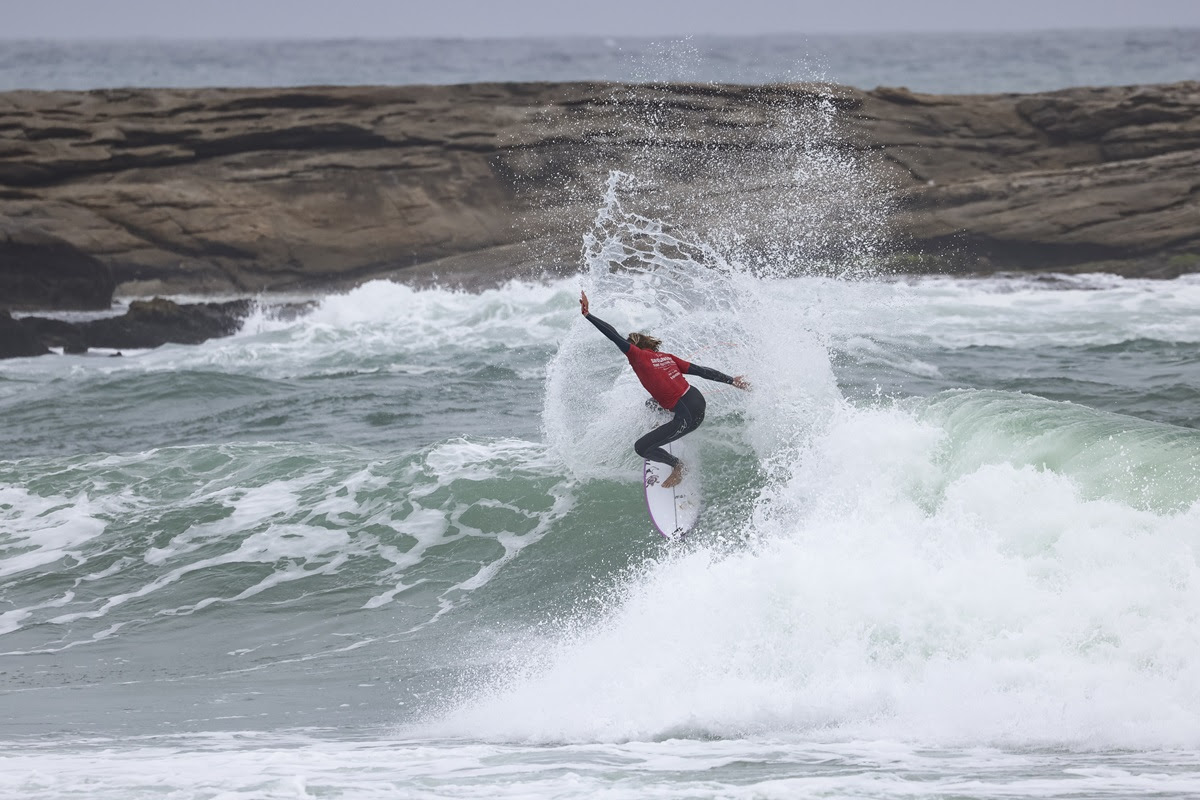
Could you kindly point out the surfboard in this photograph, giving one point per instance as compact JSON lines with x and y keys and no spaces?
{"x":673,"y":511}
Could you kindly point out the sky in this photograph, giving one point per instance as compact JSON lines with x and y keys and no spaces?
{"x":313,"y":19}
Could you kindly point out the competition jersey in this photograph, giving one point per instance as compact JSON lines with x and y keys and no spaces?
{"x":660,"y":373}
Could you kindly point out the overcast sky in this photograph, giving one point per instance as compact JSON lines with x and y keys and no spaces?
{"x":477,"y":18}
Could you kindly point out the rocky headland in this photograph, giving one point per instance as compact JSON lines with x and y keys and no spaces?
{"x":157,"y":191}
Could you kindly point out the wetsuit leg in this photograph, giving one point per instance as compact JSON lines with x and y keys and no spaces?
{"x":689,"y":413}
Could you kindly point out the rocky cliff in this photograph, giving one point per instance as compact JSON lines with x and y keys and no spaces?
{"x":248,"y":190}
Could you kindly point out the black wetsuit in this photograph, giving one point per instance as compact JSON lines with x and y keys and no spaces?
{"x":688,"y":410}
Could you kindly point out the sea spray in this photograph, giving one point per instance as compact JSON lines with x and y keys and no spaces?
{"x":790,"y":191}
{"x":972,"y":568}
{"x":697,"y":262}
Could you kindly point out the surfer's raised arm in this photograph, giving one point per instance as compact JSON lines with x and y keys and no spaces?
{"x":604,"y":327}
{"x":625,"y":342}
{"x":713,"y":375}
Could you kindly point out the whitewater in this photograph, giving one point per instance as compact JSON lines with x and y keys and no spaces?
{"x":395,"y":545}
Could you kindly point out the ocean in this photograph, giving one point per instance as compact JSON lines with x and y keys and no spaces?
{"x":961,"y":63}
{"x":395,"y":546}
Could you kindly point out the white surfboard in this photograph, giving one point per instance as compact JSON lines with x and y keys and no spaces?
{"x":673,"y":511}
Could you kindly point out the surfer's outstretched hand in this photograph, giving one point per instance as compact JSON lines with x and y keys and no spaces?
{"x":583,"y":303}
{"x":741,"y":382}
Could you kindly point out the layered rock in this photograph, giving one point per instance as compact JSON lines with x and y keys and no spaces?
{"x":1081,"y":179}
{"x":250,"y":190}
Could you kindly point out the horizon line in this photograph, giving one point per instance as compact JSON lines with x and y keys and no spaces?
{"x":640,"y":37}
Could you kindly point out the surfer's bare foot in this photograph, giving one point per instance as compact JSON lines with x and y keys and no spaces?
{"x":674,"y":478}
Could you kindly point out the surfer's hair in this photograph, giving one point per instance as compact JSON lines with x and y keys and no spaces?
{"x":644,"y":341}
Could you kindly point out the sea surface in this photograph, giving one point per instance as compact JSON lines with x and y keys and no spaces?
{"x":926,"y":62}
{"x":396,"y":546}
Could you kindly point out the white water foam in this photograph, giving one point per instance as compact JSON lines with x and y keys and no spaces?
{"x":326,"y":513}
{"x":894,"y":588}
{"x":386,"y":320}
{"x":380,"y":325}
{"x":1004,"y":609}
{"x":430,"y":523}
{"x":245,"y":765}
{"x":37,"y":530}
{"x":1031,"y":313}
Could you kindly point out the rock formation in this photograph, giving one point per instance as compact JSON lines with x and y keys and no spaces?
{"x":17,"y":341}
{"x":152,"y":323}
{"x":1082,"y":178}
{"x":248,"y":190}
{"x":38,"y":270}
{"x":145,"y":324}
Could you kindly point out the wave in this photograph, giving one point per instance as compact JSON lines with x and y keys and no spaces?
{"x":957,"y":566}
{"x":971,"y":567}
{"x":940,"y":573}
{"x":142,"y":539}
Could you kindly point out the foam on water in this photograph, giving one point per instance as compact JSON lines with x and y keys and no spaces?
{"x":1073,"y":311}
{"x":966,"y":583}
{"x":890,"y":595}
{"x":244,"y":765}
{"x":177,"y":531}
{"x":378,"y":326}
{"x":40,"y":530}
{"x":971,"y":568}
{"x":967,"y":569}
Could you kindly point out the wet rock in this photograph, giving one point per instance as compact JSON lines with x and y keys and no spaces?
{"x":152,"y":323}
{"x":16,"y":341}
{"x":39,"y":270}
{"x":56,"y":333}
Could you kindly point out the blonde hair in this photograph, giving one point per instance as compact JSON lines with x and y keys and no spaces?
{"x":644,"y":341}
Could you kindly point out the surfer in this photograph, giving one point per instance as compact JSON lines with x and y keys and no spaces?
{"x":662,"y":375}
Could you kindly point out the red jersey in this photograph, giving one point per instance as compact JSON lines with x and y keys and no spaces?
{"x":660,"y":373}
